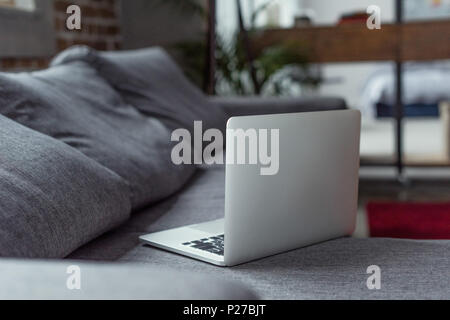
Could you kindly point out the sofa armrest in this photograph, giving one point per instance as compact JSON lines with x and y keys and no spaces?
{"x":47,"y":280}
{"x":243,"y":106}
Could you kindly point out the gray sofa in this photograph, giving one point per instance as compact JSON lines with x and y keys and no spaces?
{"x":85,"y":169}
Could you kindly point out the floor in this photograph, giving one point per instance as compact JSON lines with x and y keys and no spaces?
{"x":381,"y":184}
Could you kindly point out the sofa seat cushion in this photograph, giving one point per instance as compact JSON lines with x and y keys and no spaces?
{"x":72,"y":103}
{"x":151,"y":81}
{"x":331,"y":270}
{"x":53,"y":199}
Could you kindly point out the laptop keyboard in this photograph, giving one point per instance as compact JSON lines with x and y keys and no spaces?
{"x":211,"y":244}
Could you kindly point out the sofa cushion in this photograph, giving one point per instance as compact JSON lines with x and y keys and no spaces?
{"x":330,"y":270}
{"x":72,"y":103}
{"x":149,"y":80}
{"x":111,"y":282}
{"x":254,"y":105}
{"x":53,"y":199}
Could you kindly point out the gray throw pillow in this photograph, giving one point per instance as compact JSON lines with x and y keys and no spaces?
{"x":53,"y":199}
{"x":72,"y":103}
{"x":151,"y":81}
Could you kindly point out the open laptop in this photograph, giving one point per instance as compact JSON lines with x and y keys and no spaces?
{"x":312,"y":198}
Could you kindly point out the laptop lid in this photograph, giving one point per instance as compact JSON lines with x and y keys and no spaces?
{"x":301,"y":189}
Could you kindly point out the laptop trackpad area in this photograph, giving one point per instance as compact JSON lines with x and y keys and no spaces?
{"x":212,"y":227}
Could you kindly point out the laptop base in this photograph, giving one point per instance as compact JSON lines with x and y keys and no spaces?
{"x":179,"y":240}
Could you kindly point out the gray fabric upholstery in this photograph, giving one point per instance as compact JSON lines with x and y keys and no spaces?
{"x":149,"y":80}
{"x":244,"y":106}
{"x":74,"y":104}
{"x":53,"y":199}
{"x":44,"y":216}
{"x":47,"y":280}
{"x":331,"y":270}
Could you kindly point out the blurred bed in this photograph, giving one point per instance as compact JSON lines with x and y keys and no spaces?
{"x":425,"y":86}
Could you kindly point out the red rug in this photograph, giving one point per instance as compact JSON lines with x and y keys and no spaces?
{"x":409,"y":220}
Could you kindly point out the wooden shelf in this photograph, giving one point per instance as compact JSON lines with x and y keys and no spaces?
{"x":414,"y":41}
{"x":355,"y":42}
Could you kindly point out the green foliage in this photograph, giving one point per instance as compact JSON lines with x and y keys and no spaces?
{"x":280,"y":69}
{"x":191,"y":7}
{"x":192,"y":58}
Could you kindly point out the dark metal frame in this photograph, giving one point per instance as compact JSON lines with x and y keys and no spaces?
{"x":210,"y":68}
{"x":399,"y":92}
{"x":247,"y":47}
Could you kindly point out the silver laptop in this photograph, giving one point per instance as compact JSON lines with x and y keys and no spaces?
{"x":311,"y":198}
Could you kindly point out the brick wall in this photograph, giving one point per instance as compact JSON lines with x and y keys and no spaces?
{"x":100,"y":26}
{"x":100,"y":29}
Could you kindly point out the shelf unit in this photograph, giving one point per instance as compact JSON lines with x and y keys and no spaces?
{"x":398,"y":42}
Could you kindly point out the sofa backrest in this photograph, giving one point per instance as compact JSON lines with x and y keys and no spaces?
{"x":150,"y":80}
{"x":73,"y":103}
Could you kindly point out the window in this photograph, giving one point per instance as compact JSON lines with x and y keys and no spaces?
{"x":26,"y":28}
{"x":27,"y":5}
{"x":427,"y":10}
